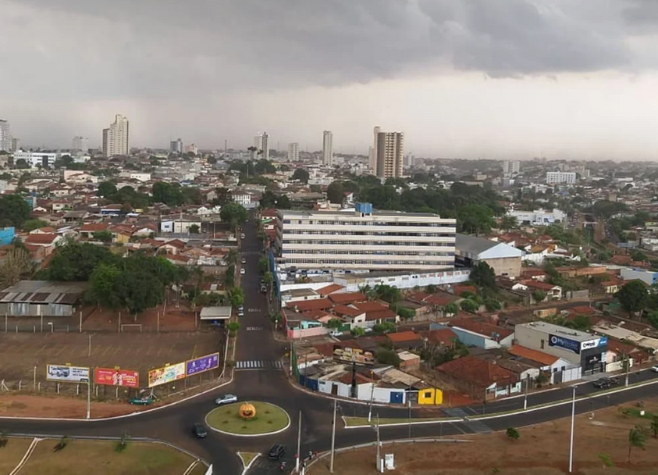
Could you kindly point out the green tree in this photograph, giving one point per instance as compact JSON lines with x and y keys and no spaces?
{"x":138,"y":291}
{"x":469,"y":305}
{"x":268,"y":278}
{"x":384,"y":327}
{"x":475,"y":219}
{"x":483,"y":275}
{"x":14,"y":210}
{"x":104,"y":286}
{"x":387,"y":293}
{"x":508,"y":222}
{"x":386,"y":356}
{"x":637,"y":437}
{"x":336,"y":192}
{"x":167,"y":193}
{"x":451,"y":309}
{"x":335,"y":323}
{"x":236,"y":297}
{"x":492,"y":305}
{"x":32,"y":224}
{"x":234,"y":214}
{"x":106,"y":189}
{"x":638,"y":256}
{"x":75,"y":262}
{"x":654,"y":426}
{"x":513,"y":433}
{"x":538,"y":296}
{"x":103,"y":236}
{"x":223,"y":196}
{"x":406,"y":313}
{"x":194,"y":229}
{"x":263,"y":265}
{"x":233,"y":327}
{"x":301,"y":175}
{"x":268,"y":200}
{"x":633,"y":296}
{"x":357,"y":331}
{"x":229,"y":277}
{"x":283,"y":202}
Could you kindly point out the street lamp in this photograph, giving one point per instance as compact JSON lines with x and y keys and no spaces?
{"x":573,"y":419}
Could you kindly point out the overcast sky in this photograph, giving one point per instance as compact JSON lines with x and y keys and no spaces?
{"x":462,"y":78}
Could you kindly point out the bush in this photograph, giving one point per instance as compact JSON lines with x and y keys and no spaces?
{"x":122,"y":444}
{"x":512,"y":433}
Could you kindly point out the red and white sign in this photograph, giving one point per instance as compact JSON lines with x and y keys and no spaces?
{"x":116,"y":377}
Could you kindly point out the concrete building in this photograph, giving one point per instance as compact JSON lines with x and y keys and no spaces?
{"x":327,"y":148}
{"x":293,"y":152}
{"x":192,"y":148}
{"x":5,"y":136}
{"x":646,"y":276}
{"x":262,"y":146}
{"x":116,"y":139}
{"x":37,"y":159}
{"x":503,"y":258}
{"x":580,"y":348}
{"x":176,"y":146}
{"x":388,"y":154}
{"x":538,"y":217}
{"x":366,"y":240}
{"x":511,"y":167}
{"x":34,"y":298}
{"x":553,"y":178}
{"x":15,"y":144}
{"x":80,"y":144}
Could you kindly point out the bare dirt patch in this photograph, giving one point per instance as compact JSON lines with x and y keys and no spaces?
{"x":12,"y":453}
{"x":541,"y":450}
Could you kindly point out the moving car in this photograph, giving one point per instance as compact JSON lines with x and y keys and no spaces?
{"x":655,"y":369}
{"x":277,"y":451}
{"x":242,"y":271}
{"x":243,"y":260}
{"x":263,"y":288}
{"x":242,"y":236}
{"x":226,"y":399}
{"x":199,"y":431}
{"x":604,"y":383}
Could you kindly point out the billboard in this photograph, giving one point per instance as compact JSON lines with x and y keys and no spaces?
{"x":67,"y":374}
{"x":595,"y":343}
{"x":116,"y":377}
{"x":564,"y":343}
{"x":167,"y":374}
{"x":353,"y":355}
{"x":204,"y":363}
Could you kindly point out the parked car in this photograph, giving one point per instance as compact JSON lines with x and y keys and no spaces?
{"x":263,"y":288}
{"x":240,"y":311}
{"x":241,"y":235}
{"x":243,"y":260}
{"x":277,"y":451}
{"x":242,"y":271}
{"x":336,"y":333}
{"x":226,"y":399}
{"x":199,"y":430}
{"x":602,"y":383}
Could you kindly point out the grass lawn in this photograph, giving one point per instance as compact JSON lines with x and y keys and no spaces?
{"x":82,"y":457}
{"x":12,"y":453}
{"x":247,"y":457}
{"x":269,"y":418}
{"x":383,"y":421}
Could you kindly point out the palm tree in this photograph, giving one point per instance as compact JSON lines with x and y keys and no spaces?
{"x":367,"y":291}
{"x":637,"y":437}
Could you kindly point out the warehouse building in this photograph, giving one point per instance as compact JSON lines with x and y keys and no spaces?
{"x":35,"y":298}
{"x":503,"y":258}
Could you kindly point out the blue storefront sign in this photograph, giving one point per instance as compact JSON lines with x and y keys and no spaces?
{"x":565,"y":343}
{"x":200,"y":365}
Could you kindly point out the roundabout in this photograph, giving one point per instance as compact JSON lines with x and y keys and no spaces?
{"x":248,"y":419}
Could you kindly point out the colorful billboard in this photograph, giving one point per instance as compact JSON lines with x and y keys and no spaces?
{"x":67,"y":374}
{"x":353,"y":355}
{"x":564,"y":343}
{"x":167,"y":374}
{"x":202,"y":364}
{"x":116,"y":377}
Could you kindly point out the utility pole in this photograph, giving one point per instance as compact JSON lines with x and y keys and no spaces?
{"x":333,"y":439}
{"x":35,"y":379}
{"x":573,"y":418}
{"x":89,"y":397}
{"x":628,"y":368}
{"x":89,"y":351}
{"x":372,"y":395}
{"x":299,"y":442}
{"x":378,"y":445}
{"x":409,"y":404}
{"x":525,"y":399}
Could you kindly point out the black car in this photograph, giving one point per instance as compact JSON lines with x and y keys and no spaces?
{"x":602,"y":383}
{"x":199,"y":431}
{"x":277,"y":451}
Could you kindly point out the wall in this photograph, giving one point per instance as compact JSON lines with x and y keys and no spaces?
{"x":7,"y":235}
{"x":532,"y":338}
{"x":577,"y":294}
{"x":310,"y":332}
{"x":406,"y":281}
{"x":510,"y":266}
{"x":645,"y":276}
{"x":469,"y":338}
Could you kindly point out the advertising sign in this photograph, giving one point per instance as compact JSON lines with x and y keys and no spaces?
{"x":586,"y":345}
{"x":200,"y":365}
{"x":67,"y":374}
{"x":564,"y":343}
{"x":353,"y":355}
{"x":167,"y":374}
{"x":116,"y":377}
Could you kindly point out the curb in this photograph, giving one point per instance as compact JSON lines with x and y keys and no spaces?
{"x":248,"y":466}
{"x":250,"y":435}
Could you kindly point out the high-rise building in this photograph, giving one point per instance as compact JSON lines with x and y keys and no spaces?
{"x":373,"y":151}
{"x":388,"y":154}
{"x":327,"y":148}
{"x":553,"y":178}
{"x":116,"y":138}
{"x":511,"y":167}
{"x":409,"y":160}
{"x":5,"y":136}
{"x":80,"y":144}
{"x":191,"y":148}
{"x":15,"y":144}
{"x":176,"y":146}
{"x":262,"y":150}
{"x":293,"y":152}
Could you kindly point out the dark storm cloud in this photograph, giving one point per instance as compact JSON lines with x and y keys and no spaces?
{"x":168,"y":44}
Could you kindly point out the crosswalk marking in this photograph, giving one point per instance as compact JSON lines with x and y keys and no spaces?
{"x":254,"y":329}
{"x":258,"y":364}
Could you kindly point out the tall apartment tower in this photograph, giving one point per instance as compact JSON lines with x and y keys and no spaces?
{"x":293,"y":152}
{"x":5,"y":136}
{"x":327,"y":148}
{"x":260,"y":142}
{"x":116,"y":138}
{"x":388,"y":154}
{"x":176,"y":146}
{"x":80,"y":144}
{"x":373,"y":151}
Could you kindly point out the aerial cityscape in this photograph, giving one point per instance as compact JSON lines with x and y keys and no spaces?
{"x":328,"y":237}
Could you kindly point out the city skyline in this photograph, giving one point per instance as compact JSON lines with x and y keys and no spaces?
{"x":462,"y":79}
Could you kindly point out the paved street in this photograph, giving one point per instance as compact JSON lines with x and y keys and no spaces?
{"x":260,"y":375}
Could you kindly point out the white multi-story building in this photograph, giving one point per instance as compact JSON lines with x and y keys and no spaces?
{"x":367,"y":240}
{"x":561,"y":177}
{"x":538,"y":217}
{"x":293,"y":152}
{"x":191,"y":148}
{"x":387,"y":160}
{"x":511,"y":167}
{"x":116,"y":138}
{"x":5,"y":136}
{"x":37,"y":159}
{"x":80,"y":144}
{"x":262,"y":149}
{"x":327,"y":148}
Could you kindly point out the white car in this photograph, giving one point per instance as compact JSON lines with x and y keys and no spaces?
{"x":335,"y":333}
{"x":655,"y":369}
{"x":226,"y":399}
{"x":242,"y":271}
{"x":244,"y":261}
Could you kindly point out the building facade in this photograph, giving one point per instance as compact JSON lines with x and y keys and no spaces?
{"x":511,"y":167}
{"x":293,"y":152}
{"x":388,"y":154}
{"x":176,"y":146}
{"x":367,"y":240}
{"x":327,"y":148}
{"x":538,"y":217}
{"x":116,"y":139}
{"x":80,"y":144}
{"x":5,"y":136}
{"x":37,"y":159}
{"x":560,"y":177}
{"x":262,"y":146}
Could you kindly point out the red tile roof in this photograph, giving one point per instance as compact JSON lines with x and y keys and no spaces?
{"x":94,"y":227}
{"x":348,"y":297}
{"x":370,"y":306}
{"x":538,"y":285}
{"x":532,"y":355}
{"x":474,"y":370}
{"x":177,"y":243}
{"x":40,"y":238}
{"x":442,"y":336}
{"x":403,"y":336}
{"x":583,"y":310}
{"x":320,"y":304}
{"x":481,"y":328}
{"x":345,"y":310}
{"x":384,"y":314}
{"x":329,"y":289}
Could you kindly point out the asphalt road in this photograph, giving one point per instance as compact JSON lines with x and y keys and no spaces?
{"x":268,"y":382}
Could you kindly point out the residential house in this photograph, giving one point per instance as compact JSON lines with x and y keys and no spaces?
{"x":480,"y":334}
{"x":88,"y":230}
{"x":480,"y":378}
{"x":406,"y":340}
{"x":48,"y":241}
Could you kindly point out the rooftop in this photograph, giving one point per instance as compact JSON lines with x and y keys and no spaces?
{"x":376,"y":213}
{"x":546,"y":327}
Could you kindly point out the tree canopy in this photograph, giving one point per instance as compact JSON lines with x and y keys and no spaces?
{"x":633,"y":296}
{"x":14,"y":210}
{"x":233,"y":213}
{"x":483,"y":275}
{"x":336,"y":192}
{"x":301,"y":175}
